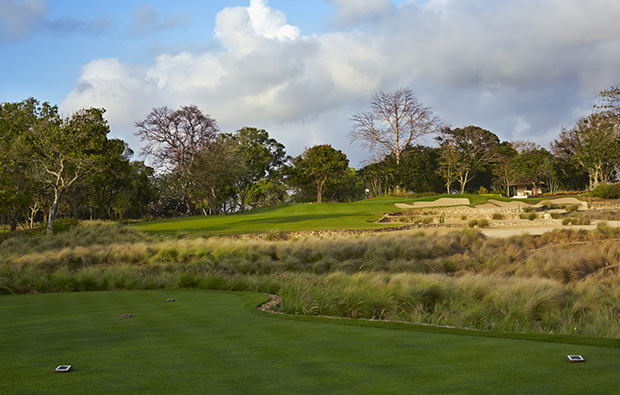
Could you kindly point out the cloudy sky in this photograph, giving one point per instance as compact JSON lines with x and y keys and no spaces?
{"x":300,"y":69}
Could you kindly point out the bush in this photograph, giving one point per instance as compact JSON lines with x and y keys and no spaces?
{"x":481,"y":223}
{"x":65,"y":224}
{"x":532,"y":216}
{"x":576,"y":221}
{"x":497,"y":216}
{"x":608,"y":191}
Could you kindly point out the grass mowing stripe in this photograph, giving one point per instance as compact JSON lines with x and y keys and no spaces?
{"x":302,"y":217}
{"x":206,"y":342}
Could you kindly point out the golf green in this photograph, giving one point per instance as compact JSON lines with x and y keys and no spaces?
{"x":210,"y":342}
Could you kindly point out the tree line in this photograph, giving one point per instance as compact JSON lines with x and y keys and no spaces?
{"x":52,"y":165}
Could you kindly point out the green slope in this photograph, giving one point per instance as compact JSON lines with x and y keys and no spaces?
{"x":286,"y":218}
{"x":207,"y":342}
{"x":301,"y":217}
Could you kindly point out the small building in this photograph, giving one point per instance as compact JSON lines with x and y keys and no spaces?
{"x":524,"y":189}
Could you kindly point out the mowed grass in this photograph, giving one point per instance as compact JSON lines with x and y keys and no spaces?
{"x":212,"y":342}
{"x":285,"y":218}
{"x":300,"y":217}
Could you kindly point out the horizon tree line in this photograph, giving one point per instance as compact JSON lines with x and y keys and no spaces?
{"x":54,"y":166}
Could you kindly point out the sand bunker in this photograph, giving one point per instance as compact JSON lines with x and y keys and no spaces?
{"x":512,"y":204}
{"x":442,"y":202}
{"x":491,"y":204}
{"x":566,"y":200}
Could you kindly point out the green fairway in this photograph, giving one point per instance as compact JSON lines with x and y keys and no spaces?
{"x":285,"y":218}
{"x":301,"y":217}
{"x":208,"y":342}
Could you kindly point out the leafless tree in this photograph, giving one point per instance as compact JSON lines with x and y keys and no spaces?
{"x":396,"y":120}
{"x":173,"y":138}
{"x":522,"y":146}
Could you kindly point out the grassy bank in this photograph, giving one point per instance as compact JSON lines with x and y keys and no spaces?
{"x":562,"y":282}
{"x":286,"y":218}
{"x":207,"y":342}
{"x":302,"y":217}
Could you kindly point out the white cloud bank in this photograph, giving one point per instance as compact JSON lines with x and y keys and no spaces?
{"x":521,"y":68}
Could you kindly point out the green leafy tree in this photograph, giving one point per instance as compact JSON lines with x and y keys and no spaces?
{"x":502,"y":170}
{"x":214,"y":172}
{"x":267,"y":192}
{"x":378,"y":177}
{"x":594,"y":144}
{"x":321,"y":164}
{"x":63,"y":150}
{"x":610,"y":104}
{"x":533,"y":166}
{"x":466,"y":152}
{"x":417,"y":170}
{"x":18,"y":189}
{"x":258,"y":157}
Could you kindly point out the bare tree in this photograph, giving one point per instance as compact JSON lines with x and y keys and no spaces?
{"x":522,"y":146}
{"x":174,"y":138}
{"x":396,"y":120}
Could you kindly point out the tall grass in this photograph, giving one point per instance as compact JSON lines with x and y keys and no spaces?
{"x":562,"y":282}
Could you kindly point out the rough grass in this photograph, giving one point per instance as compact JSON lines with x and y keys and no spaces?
{"x":562,"y":282}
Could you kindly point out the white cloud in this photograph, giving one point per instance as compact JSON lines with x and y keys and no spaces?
{"x":520,"y":68}
{"x":19,"y":18}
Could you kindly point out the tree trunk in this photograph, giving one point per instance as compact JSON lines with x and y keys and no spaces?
{"x":52,"y":217}
{"x":319,"y":190}
{"x":53,"y":211}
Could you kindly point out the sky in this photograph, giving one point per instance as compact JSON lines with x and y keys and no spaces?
{"x":300,"y":69}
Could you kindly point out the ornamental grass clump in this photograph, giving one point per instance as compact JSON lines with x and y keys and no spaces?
{"x":564,"y":281}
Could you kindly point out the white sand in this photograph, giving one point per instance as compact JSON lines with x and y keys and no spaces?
{"x":442,"y":202}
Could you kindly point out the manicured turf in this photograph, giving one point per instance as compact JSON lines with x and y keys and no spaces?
{"x":207,"y":342}
{"x":285,"y":218}
{"x":301,"y":217}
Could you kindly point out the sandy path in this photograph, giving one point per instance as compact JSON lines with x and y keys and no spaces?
{"x":442,"y":202}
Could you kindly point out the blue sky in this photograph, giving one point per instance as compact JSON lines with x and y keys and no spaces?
{"x":299,"y":69}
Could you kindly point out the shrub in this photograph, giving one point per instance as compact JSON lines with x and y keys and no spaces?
{"x":65,"y":224}
{"x":608,"y":191}
{"x":576,"y":221}
{"x":275,"y":234}
{"x":497,"y":216}
{"x":481,"y":223}
{"x":532,"y":216}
